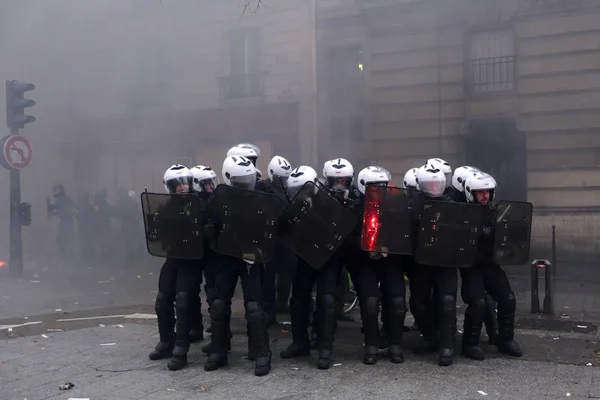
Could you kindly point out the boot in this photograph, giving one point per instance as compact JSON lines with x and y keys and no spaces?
{"x":447,"y":323}
{"x":328,"y":325}
{"x":182,"y":331}
{"x":220,"y":317}
{"x":369,"y":311}
{"x":207,"y":349}
{"x":472,"y":331}
{"x":397,"y":314}
{"x":299,"y":313}
{"x":197,"y":328}
{"x":165,"y":317}
{"x":491,"y":320}
{"x":506,"y":343}
{"x":429,"y":342}
{"x":259,"y":337}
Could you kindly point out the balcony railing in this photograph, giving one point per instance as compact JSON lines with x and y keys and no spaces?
{"x":492,"y":74}
{"x":242,"y":86}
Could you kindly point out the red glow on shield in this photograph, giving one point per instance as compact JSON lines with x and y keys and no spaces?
{"x":3,"y":264}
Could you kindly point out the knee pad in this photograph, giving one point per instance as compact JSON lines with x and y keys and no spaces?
{"x":480,"y":303}
{"x":182,"y":300}
{"x":448,"y":303}
{"x":398,"y":304}
{"x":510,"y":302}
{"x":254,"y":312}
{"x":329,"y":303}
{"x":219,"y":306}
{"x":370,"y":305}
{"x":163,"y":302}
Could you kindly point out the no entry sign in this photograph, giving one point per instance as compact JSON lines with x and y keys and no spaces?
{"x":16,"y":152}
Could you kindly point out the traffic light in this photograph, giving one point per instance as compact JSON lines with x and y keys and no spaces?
{"x":16,"y":104}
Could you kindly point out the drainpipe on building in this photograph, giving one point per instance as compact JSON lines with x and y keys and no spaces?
{"x":314,"y":156}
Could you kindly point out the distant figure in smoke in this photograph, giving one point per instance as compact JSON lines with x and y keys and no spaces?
{"x":85,"y":221}
{"x":129,"y":216}
{"x":104,"y":212}
{"x":65,"y":209}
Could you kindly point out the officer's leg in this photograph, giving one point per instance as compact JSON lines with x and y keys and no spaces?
{"x":446,"y":287}
{"x":256,"y":318}
{"x":220,"y":313}
{"x":473,"y":293}
{"x":165,"y":314}
{"x":421,"y":283}
{"x":327,"y":304}
{"x":269,"y":293}
{"x":491,"y":320}
{"x":498,"y":287}
{"x":368,"y":289}
{"x":300,"y":309}
{"x":286,"y":271}
{"x":394,"y":291}
{"x":342,"y":290}
{"x":210,"y":276}
{"x":196,"y":327}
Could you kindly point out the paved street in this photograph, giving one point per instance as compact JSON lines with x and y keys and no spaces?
{"x":94,"y":326}
{"x":110,"y":362}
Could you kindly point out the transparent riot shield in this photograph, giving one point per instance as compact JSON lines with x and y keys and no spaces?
{"x":173,"y":225}
{"x":315,"y":224}
{"x":449,"y":234}
{"x":246,"y":223}
{"x":512,"y":232}
{"x":389,"y":219}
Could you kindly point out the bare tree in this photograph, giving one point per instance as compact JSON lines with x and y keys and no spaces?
{"x":251,"y":6}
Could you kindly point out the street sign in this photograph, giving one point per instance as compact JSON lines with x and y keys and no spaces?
{"x":16,"y":152}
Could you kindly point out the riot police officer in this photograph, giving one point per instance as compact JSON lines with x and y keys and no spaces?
{"x":480,"y":189}
{"x":239,"y":172}
{"x":178,"y":280}
{"x":377,"y":274}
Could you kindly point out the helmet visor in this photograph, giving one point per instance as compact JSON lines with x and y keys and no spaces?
{"x":432,"y":188}
{"x":247,"y":182}
{"x":179,"y":185}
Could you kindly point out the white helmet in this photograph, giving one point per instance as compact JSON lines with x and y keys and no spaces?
{"x":444,"y":167}
{"x":431,"y":180}
{"x":339,"y":174}
{"x":479,"y":181}
{"x":279,"y":169}
{"x":410,"y":179}
{"x":250,"y":151}
{"x":460,"y":176}
{"x":131,"y":193}
{"x":327,"y":164}
{"x":178,"y":179}
{"x":372,"y":176}
{"x":204,"y":176}
{"x":298,"y":177}
{"x":239,"y":172}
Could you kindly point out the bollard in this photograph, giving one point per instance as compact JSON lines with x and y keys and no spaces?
{"x":548,"y":305}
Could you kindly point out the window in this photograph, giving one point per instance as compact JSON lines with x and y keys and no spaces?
{"x":245,"y":79}
{"x":492,"y":61}
{"x":346,"y":70}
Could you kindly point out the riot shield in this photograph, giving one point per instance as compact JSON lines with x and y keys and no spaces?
{"x":315,"y":224}
{"x":246,"y":223}
{"x":173,"y":225}
{"x":389,"y":219}
{"x":449,"y":234}
{"x":512,"y":233}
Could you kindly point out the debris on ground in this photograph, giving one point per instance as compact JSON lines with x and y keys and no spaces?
{"x":66,"y":386}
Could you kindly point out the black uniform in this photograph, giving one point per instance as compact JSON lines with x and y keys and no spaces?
{"x":376,"y":276}
{"x":327,"y":304}
{"x":64,"y":208}
{"x":443,"y":281}
{"x":497,"y":285}
{"x":178,"y":283}
{"x":279,"y":272}
{"x":251,"y":276}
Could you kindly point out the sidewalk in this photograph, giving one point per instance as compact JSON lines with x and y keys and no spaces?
{"x":111,"y":363}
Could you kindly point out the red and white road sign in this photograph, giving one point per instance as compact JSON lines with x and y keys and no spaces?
{"x":17,"y":152}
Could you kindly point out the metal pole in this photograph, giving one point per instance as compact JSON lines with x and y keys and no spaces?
{"x":535,"y":297}
{"x":549,"y":290}
{"x":16,"y":245}
{"x":554,"y":251}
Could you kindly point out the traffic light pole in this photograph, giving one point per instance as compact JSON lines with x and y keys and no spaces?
{"x":16,"y":244}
